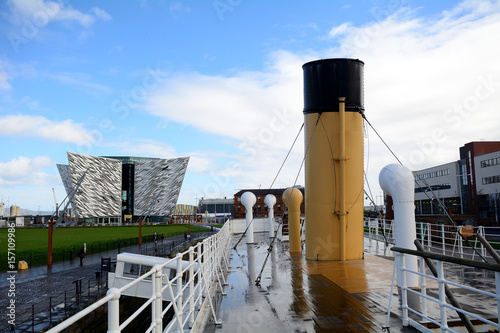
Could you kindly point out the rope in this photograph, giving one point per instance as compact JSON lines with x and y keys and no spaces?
{"x":277,"y":174}
{"x":387,"y":146}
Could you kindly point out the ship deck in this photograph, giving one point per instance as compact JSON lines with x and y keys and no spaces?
{"x":299,"y":295}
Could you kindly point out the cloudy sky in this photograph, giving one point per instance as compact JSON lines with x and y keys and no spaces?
{"x":221,"y":81}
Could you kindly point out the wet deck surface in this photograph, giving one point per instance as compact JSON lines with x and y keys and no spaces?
{"x":296,"y":295}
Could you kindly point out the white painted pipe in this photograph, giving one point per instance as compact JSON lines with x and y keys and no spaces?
{"x":397,"y":181}
{"x":248,"y":200}
{"x":270,"y":201}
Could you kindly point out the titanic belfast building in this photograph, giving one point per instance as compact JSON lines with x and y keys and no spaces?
{"x":119,"y":189}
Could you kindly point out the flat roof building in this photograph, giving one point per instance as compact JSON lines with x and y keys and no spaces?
{"x":468,"y":188}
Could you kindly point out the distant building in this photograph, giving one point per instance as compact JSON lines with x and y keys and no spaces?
{"x":183,"y":209}
{"x":216,"y":210}
{"x":468,"y":188}
{"x":15,"y":211}
{"x":260,"y":208}
{"x":2,"y":209}
{"x":123,"y":188}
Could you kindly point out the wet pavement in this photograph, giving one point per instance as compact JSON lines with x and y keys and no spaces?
{"x":36,"y":285}
{"x":299,"y":295}
{"x":296,"y":295}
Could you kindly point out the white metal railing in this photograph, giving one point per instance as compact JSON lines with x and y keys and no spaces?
{"x":439,"y":238}
{"x":419,"y":318}
{"x":211,"y":258}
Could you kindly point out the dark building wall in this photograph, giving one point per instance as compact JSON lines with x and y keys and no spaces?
{"x":128,"y":189}
{"x":467,"y":154}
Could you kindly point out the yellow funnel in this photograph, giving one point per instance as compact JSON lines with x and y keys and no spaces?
{"x":333,"y":99}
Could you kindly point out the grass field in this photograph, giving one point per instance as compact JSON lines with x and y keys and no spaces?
{"x":32,"y":242}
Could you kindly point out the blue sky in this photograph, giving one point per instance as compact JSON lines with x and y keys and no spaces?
{"x":221,"y":81}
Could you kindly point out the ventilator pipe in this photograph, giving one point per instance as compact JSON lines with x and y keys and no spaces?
{"x":293,"y":198}
{"x":397,"y":181}
{"x":248,"y":200}
{"x":270,"y":201}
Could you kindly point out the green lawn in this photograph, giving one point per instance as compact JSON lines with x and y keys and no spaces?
{"x":31,"y":243}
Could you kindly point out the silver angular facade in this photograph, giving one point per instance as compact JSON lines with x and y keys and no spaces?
{"x":100,"y":192}
{"x":65,"y":176}
{"x":157,"y":186}
{"x":130,"y":186}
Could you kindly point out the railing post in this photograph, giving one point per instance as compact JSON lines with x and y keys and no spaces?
{"x":428,"y":227}
{"x":201,"y":270}
{"x":443,"y":239}
{"x":404,"y":300}
{"x":156,"y":317}
{"x":481,"y":232}
{"x":421,"y":229}
{"x":442,"y":295}
{"x":460,"y":242}
{"x":114,"y":311}
{"x":393,"y":228}
{"x":423,"y":287}
{"x":497,"y":284}
{"x":179,"y":289}
{"x":191,"y":286}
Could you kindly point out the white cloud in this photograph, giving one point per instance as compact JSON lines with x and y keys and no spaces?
{"x":24,"y":170}
{"x":179,"y":8}
{"x":41,"y":13}
{"x":4,"y":75}
{"x":101,"y":14}
{"x":147,"y":148}
{"x":41,"y":127}
{"x":246,"y":106}
{"x":339,"y":30}
{"x":417,"y":70}
{"x":79,"y":79}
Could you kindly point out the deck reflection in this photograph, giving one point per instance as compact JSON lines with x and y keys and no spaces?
{"x":297,"y":295}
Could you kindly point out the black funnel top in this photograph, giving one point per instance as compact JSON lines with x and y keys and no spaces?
{"x":328,"y":79}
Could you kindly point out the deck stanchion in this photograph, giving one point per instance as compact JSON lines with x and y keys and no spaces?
{"x":114,"y":311}
{"x":179,"y":288}
{"x":497,"y":284}
{"x":191,"y":286}
{"x":443,"y":238}
{"x":404,"y":301}
{"x":157,"y":303}
{"x":442,"y":295}
{"x":423,"y":287}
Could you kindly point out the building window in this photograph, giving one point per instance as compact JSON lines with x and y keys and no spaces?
{"x":433,"y":188}
{"x":433,"y":174}
{"x":491,"y":180}
{"x":490,"y":162}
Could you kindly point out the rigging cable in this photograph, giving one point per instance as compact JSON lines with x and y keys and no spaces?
{"x":440,"y":204}
{"x":277,"y":174}
{"x":270,"y":248}
{"x":370,"y":195}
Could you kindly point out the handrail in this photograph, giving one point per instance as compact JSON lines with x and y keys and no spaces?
{"x":445,"y":258}
{"x":441,"y":300}
{"x":211,"y":257}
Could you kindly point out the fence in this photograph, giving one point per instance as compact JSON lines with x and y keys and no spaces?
{"x":50,"y":310}
{"x":210,"y":258}
{"x":440,"y":238}
{"x":482,"y":314}
{"x":36,"y":316}
{"x":71,"y":253}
